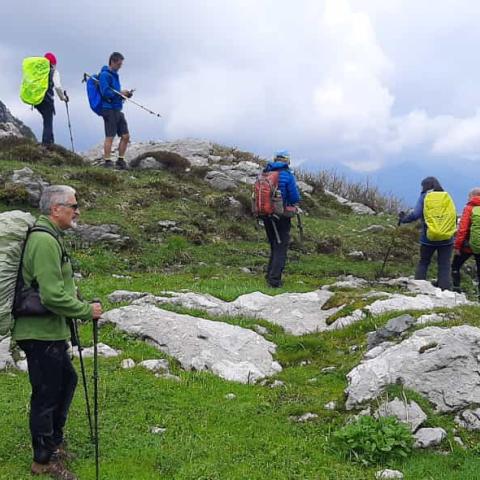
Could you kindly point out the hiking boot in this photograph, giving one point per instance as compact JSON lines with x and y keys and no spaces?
{"x":274,"y":284}
{"x":61,"y":454}
{"x":56,"y":470}
{"x":108,"y":164}
{"x":121,"y":164}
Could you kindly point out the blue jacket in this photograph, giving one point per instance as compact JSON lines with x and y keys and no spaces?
{"x":108,"y":80}
{"x":286,"y":182}
{"x":417,"y":214}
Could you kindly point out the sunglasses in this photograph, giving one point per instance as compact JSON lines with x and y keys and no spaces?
{"x":73,"y":206}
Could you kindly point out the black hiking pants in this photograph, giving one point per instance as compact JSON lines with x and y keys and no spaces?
{"x":458,"y":261}
{"x":47,"y":111}
{"x":278,"y":247}
{"x":53,"y":380}
{"x":444,"y":255}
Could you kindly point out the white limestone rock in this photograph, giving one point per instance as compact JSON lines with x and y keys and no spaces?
{"x":229,"y":351}
{"x":439,"y":363}
{"x":429,"y":437}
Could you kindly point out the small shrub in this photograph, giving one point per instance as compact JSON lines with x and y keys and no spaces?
{"x":105,"y":178}
{"x":355,"y":191}
{"x":64,"y":156}
{"x":24,"y":150}
{"x":10,"y":141}
{"x":165,"y":190}
{"x":371,"y":441}
{"x":27,"y":152}
{"x":176,"y":249}
{"x":328,"y":245}
{"x":173,"y":162}
{"x":14,"y":194}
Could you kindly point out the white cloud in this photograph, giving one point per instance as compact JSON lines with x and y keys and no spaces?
{"x":356,"y":81}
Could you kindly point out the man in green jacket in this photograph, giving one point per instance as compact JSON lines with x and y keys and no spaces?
{"x":46,"y":268}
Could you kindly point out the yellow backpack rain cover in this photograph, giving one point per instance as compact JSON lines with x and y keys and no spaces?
{"x":440,"y":216}
{"x":35,"y":76}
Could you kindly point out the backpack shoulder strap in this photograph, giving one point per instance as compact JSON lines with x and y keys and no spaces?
{"x":38,"y":228}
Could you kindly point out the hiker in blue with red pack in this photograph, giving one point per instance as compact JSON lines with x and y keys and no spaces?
{"x":112,"y":104}
{"x":278,"y":227}
{"x":428,"y":242}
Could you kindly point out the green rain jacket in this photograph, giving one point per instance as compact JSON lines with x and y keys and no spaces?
{"x":45,"y":262}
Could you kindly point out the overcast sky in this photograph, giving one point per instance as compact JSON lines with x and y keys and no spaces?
{"x":366,"y":83}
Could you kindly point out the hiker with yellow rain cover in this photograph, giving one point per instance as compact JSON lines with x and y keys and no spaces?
{"x":436,"y":210}
{"x":40,"y":79}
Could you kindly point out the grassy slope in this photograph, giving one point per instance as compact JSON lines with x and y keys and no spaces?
{"x":208,"y":436}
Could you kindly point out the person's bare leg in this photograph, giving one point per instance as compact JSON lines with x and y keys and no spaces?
{"x":122,"y":147}
{"x":107,"y":151}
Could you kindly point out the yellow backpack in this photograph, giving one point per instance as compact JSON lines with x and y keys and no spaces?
{"x":35,"y":77}
{"x":440,"y":216}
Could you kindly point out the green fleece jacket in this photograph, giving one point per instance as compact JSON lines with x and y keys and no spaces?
{"x":45,"y":263}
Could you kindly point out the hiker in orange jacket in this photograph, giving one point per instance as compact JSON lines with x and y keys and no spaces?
{"x":462,"y":250}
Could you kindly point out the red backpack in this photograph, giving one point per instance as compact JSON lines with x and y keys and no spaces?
{"x":267,"y":197}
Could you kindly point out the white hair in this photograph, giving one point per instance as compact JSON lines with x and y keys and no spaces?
{"x":54,"y":195}
{"x":474,"y":192}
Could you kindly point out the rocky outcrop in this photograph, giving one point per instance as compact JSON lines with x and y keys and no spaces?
{"x":439,"y":363}
{"x":11,"y":126}
{"x":358,"y":208}
{"x":303,"y":313}
{"x":297,"y":313}
{"x":33,"y":184}
{"x":197,"y":152}
{"x":229,"y":351}
{"x":469,"y":419}
{"x":393,"y":329}
{"x":93,"y":234}
{"x":429,"y":437}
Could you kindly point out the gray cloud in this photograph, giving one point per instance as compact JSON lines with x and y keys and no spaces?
{"x":357,"y":81}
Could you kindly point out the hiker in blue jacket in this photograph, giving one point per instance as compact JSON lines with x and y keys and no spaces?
{"x":428,"y":247}
{"x":278,"y":229}
{"x":113,"y":117}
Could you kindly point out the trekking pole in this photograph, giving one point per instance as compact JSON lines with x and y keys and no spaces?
{"x":86,"y":76}
{"x":95,"y":396}
{"x":300,"y":228}
{"x":275,"y":229}
{"x":69,"y":124}
{"x":84,"y":377}
{"x":394,"y":236}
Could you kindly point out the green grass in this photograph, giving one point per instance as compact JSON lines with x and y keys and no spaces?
{"x":209,"y":437}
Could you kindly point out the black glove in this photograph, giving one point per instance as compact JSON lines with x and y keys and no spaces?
{"x":67,"y":99}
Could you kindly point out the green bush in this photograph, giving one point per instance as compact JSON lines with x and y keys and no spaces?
{"x":14,"y":194}
{"x":374,"y":441}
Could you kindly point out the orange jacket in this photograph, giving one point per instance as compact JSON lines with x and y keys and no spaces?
{"x":463,"y":232}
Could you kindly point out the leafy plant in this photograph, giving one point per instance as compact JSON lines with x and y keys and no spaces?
{"x":374,"y":441}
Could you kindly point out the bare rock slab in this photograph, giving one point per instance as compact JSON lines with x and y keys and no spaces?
{"x":439,"y":363}
{"x":429,"y":437}
{"x":388,"y":474}
{"x":296,"y":313}
{"x":469,"y":419}
{"x":229,"y":351}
